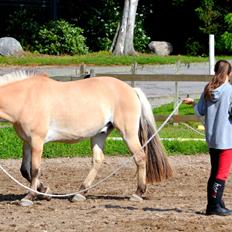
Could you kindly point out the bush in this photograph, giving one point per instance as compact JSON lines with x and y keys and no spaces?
{"x":60,"y":37}
{"x":192,"y":47}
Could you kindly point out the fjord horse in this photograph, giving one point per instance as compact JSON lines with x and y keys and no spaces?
{"x":43,"y":110}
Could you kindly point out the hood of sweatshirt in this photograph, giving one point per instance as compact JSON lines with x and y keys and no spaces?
{"x":217,"y":93}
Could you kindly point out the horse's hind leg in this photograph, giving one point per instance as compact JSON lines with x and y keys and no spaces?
{"x":97,"y":144}
{"x":134,"y":146}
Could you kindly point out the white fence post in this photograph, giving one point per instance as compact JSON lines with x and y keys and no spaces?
{"x":177,"y":70}
{"x":211,"y":54}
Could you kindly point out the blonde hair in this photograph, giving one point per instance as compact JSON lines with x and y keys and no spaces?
{"x":222,"y":69}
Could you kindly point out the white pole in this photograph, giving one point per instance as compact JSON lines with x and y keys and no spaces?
{"x":211,"y":54}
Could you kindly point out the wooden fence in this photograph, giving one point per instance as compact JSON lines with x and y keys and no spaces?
{"x":145,"y":77}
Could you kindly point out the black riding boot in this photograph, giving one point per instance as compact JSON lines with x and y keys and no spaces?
{"x":209,"y":187}
{"x":215,"y":204}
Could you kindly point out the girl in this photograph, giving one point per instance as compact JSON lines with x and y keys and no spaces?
{"x":216,"y":105}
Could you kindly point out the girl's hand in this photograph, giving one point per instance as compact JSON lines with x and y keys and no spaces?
{"x":188,"y":101}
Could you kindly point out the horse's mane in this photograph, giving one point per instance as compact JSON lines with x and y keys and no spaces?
{"x":16,"y":76}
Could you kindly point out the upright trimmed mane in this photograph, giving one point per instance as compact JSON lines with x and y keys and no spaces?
{"x":16,"y":76}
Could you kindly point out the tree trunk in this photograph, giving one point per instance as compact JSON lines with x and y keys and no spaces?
{"x":124,"y":44}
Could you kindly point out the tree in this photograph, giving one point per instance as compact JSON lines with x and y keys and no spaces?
{"x":208,"y":13}
{"x":124,"y":44}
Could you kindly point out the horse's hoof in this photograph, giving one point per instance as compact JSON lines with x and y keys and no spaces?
{"x":25,"y":202}
{"x":135,"y":197}
{"x":78,"y":197}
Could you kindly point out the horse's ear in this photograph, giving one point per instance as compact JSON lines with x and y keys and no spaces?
{"x":43,"y":74}
{"x":86,"y":76}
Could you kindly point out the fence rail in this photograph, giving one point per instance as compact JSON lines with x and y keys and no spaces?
{"x":144,"y":77}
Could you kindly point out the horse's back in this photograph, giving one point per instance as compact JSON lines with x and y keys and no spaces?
{"x":97,"y":90}
{"x":110,"y":86}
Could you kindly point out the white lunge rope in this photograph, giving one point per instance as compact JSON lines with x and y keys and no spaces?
{"x":102,"y":180}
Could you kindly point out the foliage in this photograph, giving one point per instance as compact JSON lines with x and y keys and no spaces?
{"x":104,"y":23}
{"x":60,"y":37}
{"x":193,"y":47}
{"x":23,"y":26}
{"x":226,"y":37}
{"x":101,"y":27}
{"x":141,"y":39}
{"x":211,"y":15}
{"x":184,"y":23}
{"x":208,"y":14}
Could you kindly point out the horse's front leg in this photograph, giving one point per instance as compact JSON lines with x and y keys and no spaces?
{"x":26,"y":162}
{"x":97,"y":144}
{"x":36,"y":154}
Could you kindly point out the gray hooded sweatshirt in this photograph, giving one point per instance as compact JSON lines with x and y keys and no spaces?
{"x":218,"y":117}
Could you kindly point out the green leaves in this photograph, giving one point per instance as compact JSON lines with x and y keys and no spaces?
{"x":60,"y":37}
{"x":226,"y":37}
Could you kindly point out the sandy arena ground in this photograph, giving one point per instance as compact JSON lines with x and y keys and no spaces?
{"x":177,"y":204}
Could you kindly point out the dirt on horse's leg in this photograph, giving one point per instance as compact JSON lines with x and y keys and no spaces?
{"x":140,"y":160}
{"x":97,"y":143}
{"x":37,"y":149}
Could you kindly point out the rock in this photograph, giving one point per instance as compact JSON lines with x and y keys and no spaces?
{"x":161,"y":48}
{"x":10,"y":47}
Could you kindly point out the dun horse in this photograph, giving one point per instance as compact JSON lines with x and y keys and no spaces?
{"x":43,"y":110}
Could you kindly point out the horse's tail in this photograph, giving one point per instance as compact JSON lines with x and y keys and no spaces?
{"x":157,"y":165}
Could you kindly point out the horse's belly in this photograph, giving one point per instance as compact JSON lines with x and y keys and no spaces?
{"x":60,"y":135}
{"x":68,"y":135}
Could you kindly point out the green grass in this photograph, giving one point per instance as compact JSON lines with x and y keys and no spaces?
{"x":99,"y":58}
{"x":167,"y":109}
{"x":183,"y":147}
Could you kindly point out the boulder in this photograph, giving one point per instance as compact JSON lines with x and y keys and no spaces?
{"x":10,"y":47}
{"x":161,"y":48}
